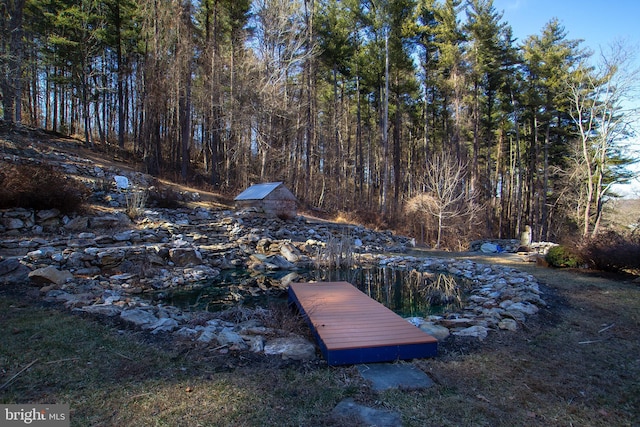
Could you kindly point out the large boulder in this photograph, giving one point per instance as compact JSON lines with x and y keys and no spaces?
{"x":290,"y":252}
{"x":439,"y":332}
{"x":12,"y":271}
{"x":50,"y":274}
{"x":139,"y":317}
{"x":185,"y":256}
{"x":233,"y":340}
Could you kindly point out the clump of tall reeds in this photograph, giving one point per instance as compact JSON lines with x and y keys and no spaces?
{"x":136,"y":201}
{"x":336,"y":253}
{"x":440,"y":289}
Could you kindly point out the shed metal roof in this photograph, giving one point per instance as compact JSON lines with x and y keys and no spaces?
{"x":258,"y":191}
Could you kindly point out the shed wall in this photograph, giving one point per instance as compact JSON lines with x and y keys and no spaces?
{"x":280,"y":202}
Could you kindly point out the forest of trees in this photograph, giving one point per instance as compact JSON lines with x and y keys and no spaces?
{"x":424,"y":113}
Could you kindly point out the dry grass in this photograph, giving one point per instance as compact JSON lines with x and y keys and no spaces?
{"x":118,"y":378}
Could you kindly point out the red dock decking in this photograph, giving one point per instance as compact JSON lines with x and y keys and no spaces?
{"x":350,"y":327}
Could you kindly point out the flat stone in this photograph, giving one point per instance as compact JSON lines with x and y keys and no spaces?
{"x":166,"y":324}
{"x":108,"y":310}
{"x":439,"y":332}
{"x":295,"y":348}
{"x":70,"y":300}
{"x":44,"y":252}
{"x":46,"y":214}
{"x":348,"y":412}
{"x":123,"y":236}
{"x":460,"y":322}
{"x":139,"y":317}
{"x":123,"y":276}
{"x":524,"y":307}
{"x":476,"y":331}
{"x":384,"y":376}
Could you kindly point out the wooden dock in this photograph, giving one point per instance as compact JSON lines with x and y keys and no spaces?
{"x":350,"y":327}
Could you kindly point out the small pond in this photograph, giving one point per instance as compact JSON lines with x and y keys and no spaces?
{"x":406,"y":292}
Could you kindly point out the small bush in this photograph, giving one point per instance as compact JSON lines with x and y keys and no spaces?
{"x":561,"y":256}
{"x":39,"y":187}
{"x":612,"y":251}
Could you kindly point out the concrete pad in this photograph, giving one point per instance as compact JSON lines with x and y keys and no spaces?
{"x":384,"y":376}
{"x":348,"y":412}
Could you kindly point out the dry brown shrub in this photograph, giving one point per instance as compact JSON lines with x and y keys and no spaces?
{"x":282,"y":317}
{"x":613,"y":251}
{"x":161,"y":196}
{"x":39,"y":187}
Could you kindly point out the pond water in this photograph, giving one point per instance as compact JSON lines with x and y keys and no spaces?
{"x":406,"y":292}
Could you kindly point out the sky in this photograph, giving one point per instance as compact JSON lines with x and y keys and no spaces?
{"x":594,"y":21}
{"x":598,"y":23}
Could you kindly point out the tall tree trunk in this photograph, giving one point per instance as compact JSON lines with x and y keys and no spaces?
{"x":185,"y":126}
{"x":309,"y":74}
{"x":520,"y":168}
{"x":397,"y":153}
{"x":476,"y":136}
{"x":184,"y":103}
{"x":498,"y":202}
{"x":359,"y":149}
{"x":54,"y":113}
{"x":88,"y":140}
{"x":11,"y":84}
{"x":532,"y":178}
{"x":545,"y":185}
{"x":385,"y":130}
{"x":121,"y":76}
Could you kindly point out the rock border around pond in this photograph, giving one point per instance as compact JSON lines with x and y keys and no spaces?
{"x":104,"y":272}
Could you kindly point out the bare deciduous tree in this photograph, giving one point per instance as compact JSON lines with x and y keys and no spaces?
{"x":597,"y":100}
{"x":281,"y":49}
{"x":445,"y":193}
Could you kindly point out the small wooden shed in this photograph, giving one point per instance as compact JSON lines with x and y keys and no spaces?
{"x":271,"y":198}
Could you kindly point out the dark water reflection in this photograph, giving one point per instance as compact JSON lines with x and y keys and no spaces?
{"x":406,"y":292}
